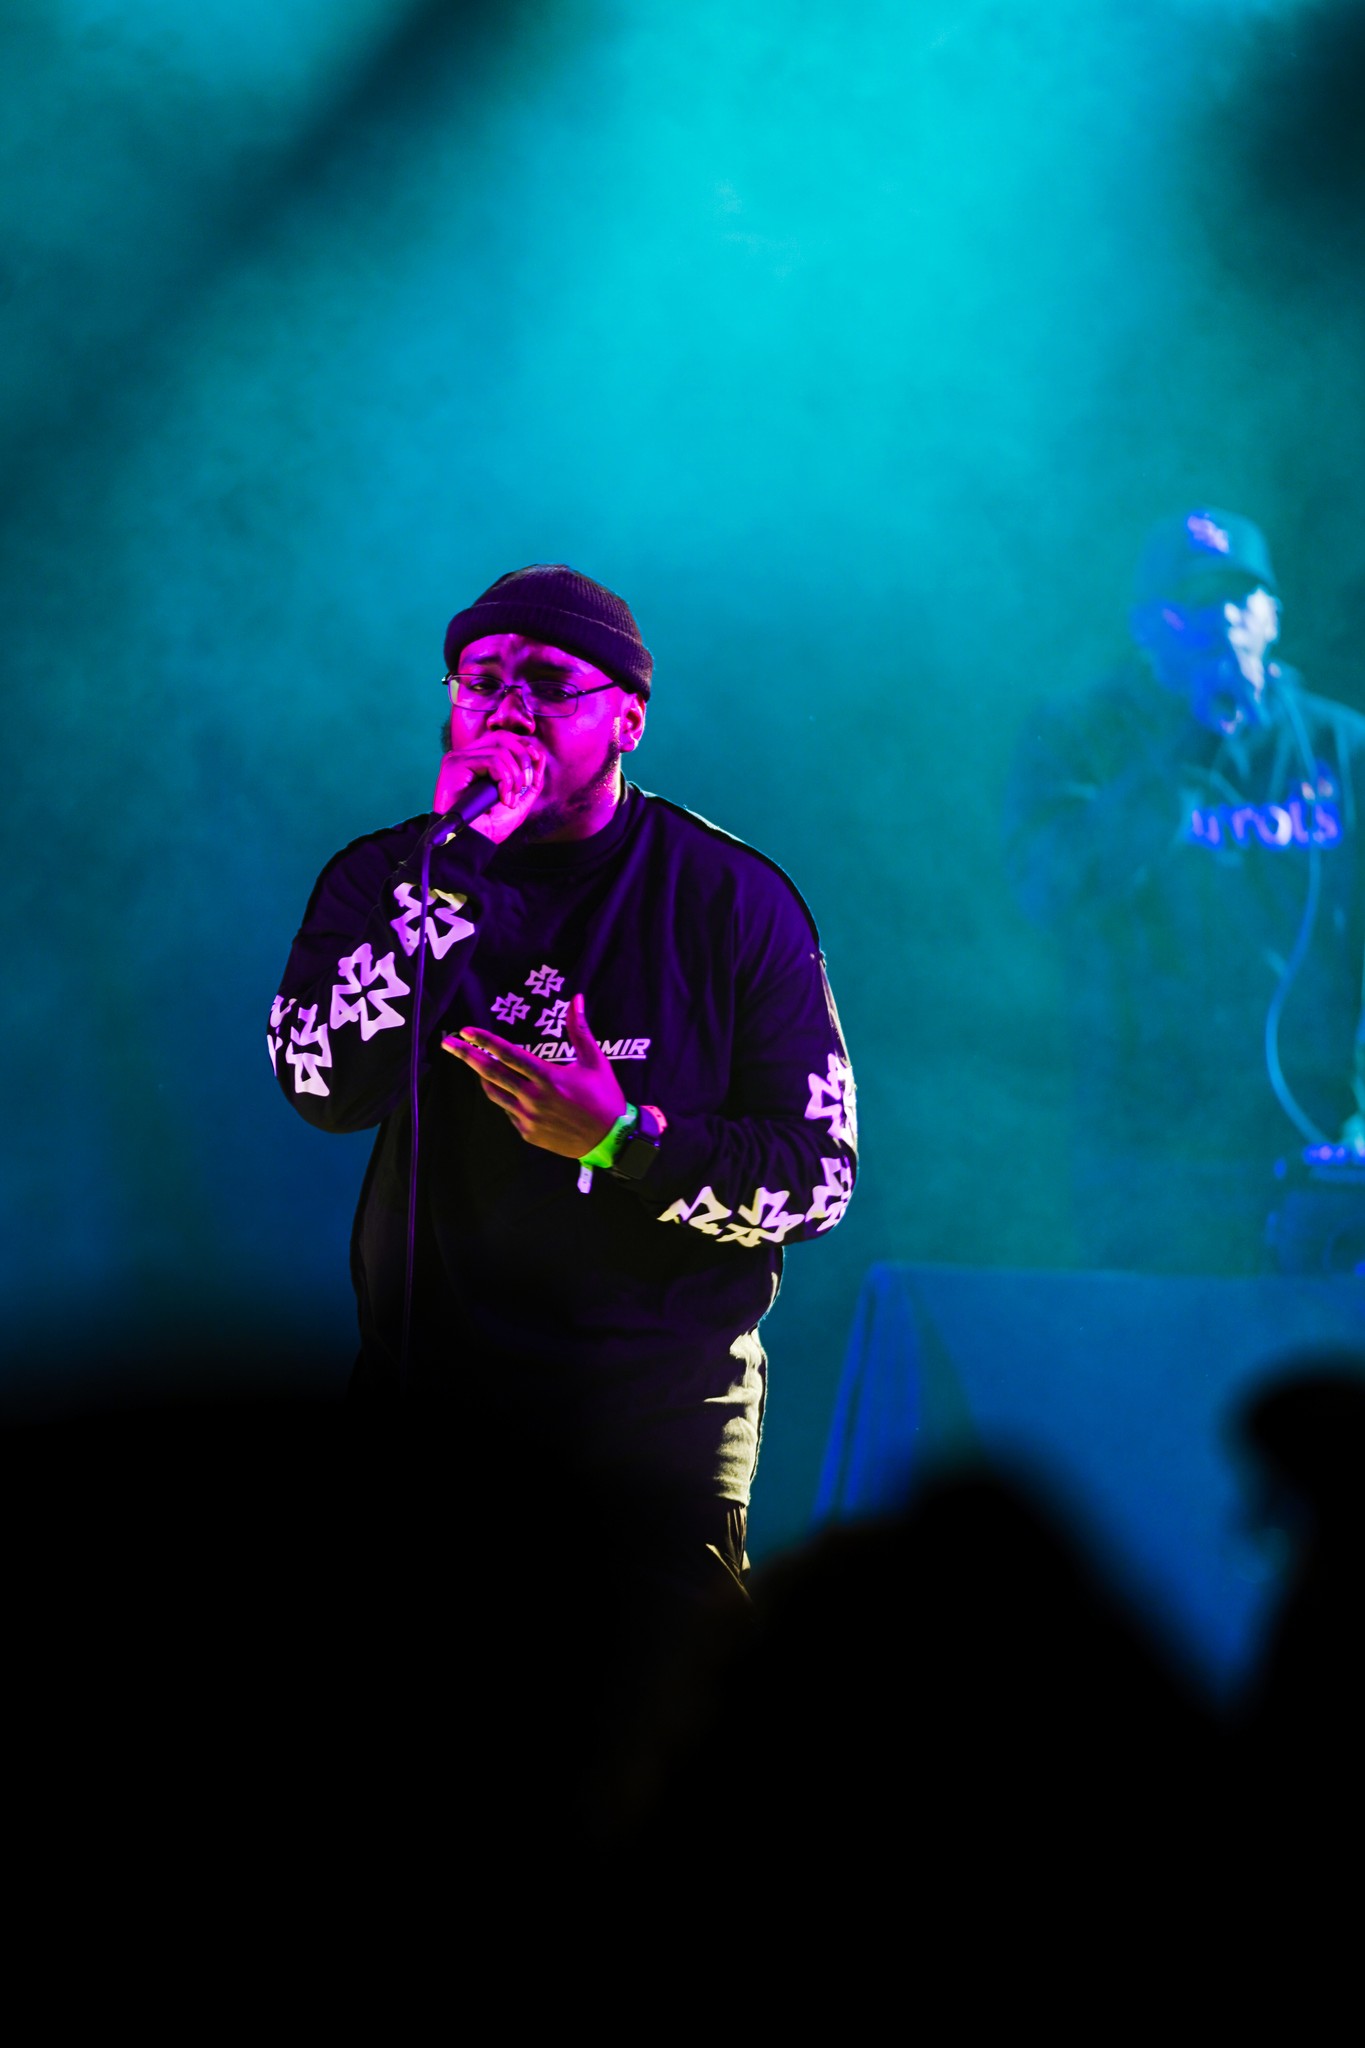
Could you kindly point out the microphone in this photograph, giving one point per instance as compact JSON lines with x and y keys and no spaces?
{"x":470,"y":804}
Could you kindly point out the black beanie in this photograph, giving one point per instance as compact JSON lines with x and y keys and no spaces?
{"x":552,"y":603}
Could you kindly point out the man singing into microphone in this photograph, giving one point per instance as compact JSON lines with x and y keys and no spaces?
{"x":633,"y":1090}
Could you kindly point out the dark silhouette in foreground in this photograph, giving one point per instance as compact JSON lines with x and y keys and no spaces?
{"x":1300,"y":1731}
{"x":282,"y":1638}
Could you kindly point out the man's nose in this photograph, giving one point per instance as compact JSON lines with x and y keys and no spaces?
{"x":513,"y":709}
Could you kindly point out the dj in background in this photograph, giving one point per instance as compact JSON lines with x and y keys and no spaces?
{"x":1189,"y":830}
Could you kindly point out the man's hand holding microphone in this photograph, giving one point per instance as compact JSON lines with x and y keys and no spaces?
{"x":511,"y":764}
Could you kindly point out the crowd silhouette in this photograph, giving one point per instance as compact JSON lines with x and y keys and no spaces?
{"x":343,"y":1677}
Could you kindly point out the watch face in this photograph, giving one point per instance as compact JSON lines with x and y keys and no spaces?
{"x":640,"y":1144}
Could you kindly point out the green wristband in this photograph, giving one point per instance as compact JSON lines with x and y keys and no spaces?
{"x":604,"y":1151}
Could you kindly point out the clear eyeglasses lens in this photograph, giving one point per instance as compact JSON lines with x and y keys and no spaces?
{"x":481,"y":693}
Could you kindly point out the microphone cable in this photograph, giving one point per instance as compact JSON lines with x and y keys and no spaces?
{"x":446,"y":828}
{"x":1297,"y":1115}
{"x":414,"y":1067}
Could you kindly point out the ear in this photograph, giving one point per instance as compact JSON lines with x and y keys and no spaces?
{"x":632,"y":722}
{"x":1147,"y":624}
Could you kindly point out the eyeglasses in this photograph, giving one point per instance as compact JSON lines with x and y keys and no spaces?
{"x":475,"y":690}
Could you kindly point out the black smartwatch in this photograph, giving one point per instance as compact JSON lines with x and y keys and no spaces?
{"x":636,"y":1153}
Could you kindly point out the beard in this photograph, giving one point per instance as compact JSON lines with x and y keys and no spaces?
{"x":565,"y":810}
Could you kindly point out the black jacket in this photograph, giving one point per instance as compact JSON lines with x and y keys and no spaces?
{"x":1175,"y":868}
{"x":628,"y":1315}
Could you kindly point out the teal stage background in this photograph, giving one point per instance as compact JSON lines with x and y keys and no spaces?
{"x":857,"y":344}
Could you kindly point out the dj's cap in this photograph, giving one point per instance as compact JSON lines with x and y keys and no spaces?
{"x":1186,"y":548}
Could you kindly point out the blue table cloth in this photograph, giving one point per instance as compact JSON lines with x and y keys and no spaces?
{"x":1116,"y":1395}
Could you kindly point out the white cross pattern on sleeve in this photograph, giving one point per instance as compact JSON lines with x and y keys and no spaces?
{"x":551,"y":1019}
{"x":705,"y":1213}
{"x":440,"y":936}
{"x":510,"y":1009}
{"x":768,"y":1222}
{"x":835,"y":1100}
{"x":307,"y":1065}
{"x":274,"y":1037}
{"x":829,"y":1201}
{"x":544,"y":981}
{"x":369,"y":1006}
